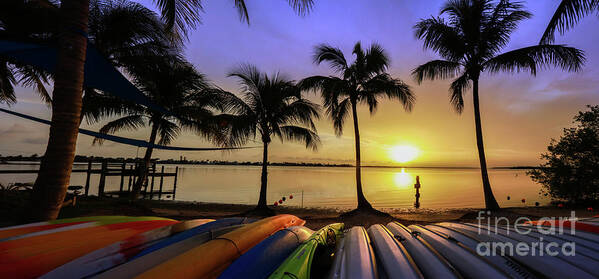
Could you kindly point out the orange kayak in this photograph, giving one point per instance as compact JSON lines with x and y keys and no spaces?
{"x":210,"y":259}
{"x":48,"y":251}
{"x":9,"y":232}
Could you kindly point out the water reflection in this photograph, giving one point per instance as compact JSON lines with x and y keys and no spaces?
{"x":403,"y":179}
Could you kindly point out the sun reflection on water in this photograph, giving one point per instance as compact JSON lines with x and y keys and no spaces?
{"x":403,"y":179}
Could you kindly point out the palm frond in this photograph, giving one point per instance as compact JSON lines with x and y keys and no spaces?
{"x":301,"y":7}
{"x":7,"y":80}
{"x":441,"y":37}
{"x":167,"y":131}
{"x":300,"y":111}
{"x":179,"y":15}
{"x":501,"y":23}
{"x":390,"y":87}
{"x":300,"y":134}
{"x":242,"y":11}
{"x":535,"y":57}
{"x":237,"y":130}
{"x":129,"y":122}
{"x":436,"y":69}
{"x":339,"y":113}
{"x":377,"y":59}
{"x":98,"y":106}
{"x":32,"y":77}
{"x":332,"y":55}
{"x":456,"y":92}
{"x":567,"y":14}
{"x":249,"y":75}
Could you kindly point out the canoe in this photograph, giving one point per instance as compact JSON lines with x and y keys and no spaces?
{"x":192,"y":232}
{"x":430,"y":262}
{"x":210,"y":259}
{"x":505,"y":263}
{"x":465,"y":260}
{"x":546,"y":265}
{"x":50,"y":251}
{"x":395,"y":259}
{"x":118,"y":252}
{"x":308,"y":258}
{"x":142,"y":264}
{"x":358,"y":258}
{"x":260,"y":261}
{"x":21,"y":231}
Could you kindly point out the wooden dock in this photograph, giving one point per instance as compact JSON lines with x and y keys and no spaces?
{"x":128,"y":173}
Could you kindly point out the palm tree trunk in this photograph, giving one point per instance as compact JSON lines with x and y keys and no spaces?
{"x":145,"y":166}
{"x":362,"y":202}
{"x":54,"y":175}
{"x":263,"y":178}
{"x":490,"y":202}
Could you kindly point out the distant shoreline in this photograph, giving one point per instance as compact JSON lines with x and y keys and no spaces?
{"x":85,"y":159}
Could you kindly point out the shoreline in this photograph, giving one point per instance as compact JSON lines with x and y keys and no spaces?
{"x":315,"y":217}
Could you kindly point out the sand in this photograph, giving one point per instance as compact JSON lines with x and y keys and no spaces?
{"x":315,"y":217}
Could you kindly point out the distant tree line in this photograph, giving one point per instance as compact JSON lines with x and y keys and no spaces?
{"x":83,"y":158}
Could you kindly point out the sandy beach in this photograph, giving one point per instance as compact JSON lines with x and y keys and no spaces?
{"x":315,"y":217}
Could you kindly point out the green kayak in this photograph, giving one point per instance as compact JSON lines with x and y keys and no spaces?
{"x":312,"y":256}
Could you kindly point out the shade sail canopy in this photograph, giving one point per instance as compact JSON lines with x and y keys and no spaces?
{"x":99,"y":71}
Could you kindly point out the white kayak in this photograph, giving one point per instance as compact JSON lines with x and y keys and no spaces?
{"x":356,"y":259}
{"x":509,"y":266}
{"x":465,"y":260}
{"x":426,"y":257}
{"x":584,"y":258}
{"x":393,"y":256}
{"x":551,"y":267}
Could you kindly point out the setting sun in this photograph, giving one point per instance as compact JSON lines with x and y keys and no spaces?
{"x":403,"y":153}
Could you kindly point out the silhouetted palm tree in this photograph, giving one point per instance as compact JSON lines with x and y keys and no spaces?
{"x":24,"y":20}
{"x":567,"y":14}
{"x":177,"y":87}
{"x":362,"y":82}
{"x":470,"y":41}
{"x":271,"y":107}
{"x":55,"y":168}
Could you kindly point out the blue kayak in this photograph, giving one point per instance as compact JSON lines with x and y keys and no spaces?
{"x":264,"y":258}
{"x":227,"y":222}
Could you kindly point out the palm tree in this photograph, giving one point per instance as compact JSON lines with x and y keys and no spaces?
{"x":362,"y":82}
{"x":24,"y":20}
{"x":55,"y":168}
{"x":271,"y":107}
{"x":567,"y":14}
{"x":177,"y":87}
{"x":469,"y":42}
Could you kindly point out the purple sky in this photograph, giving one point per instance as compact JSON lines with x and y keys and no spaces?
{"x":520,"y":113}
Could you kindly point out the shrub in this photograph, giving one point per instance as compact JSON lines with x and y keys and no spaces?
{"x":570,"y":170}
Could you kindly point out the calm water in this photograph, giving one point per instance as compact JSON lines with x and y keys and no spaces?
{"x":331,"y":187}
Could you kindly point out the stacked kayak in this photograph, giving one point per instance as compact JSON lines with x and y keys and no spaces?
{"x":210,"y":259}
{"x":281,"y":247}
{"x":264,"y":258}
{"x":49,"y":249}
{"x":309,"y":258}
